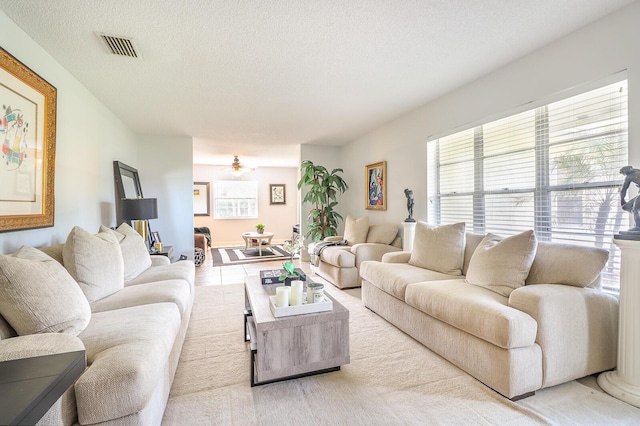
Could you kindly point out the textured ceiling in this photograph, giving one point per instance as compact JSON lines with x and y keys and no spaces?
{"x":250,"y":77}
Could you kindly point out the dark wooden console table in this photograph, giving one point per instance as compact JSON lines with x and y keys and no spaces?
{"x":30,"y":386}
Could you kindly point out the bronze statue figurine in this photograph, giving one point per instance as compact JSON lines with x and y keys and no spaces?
{"x":409,"y":194}
{"x":632,"y":206}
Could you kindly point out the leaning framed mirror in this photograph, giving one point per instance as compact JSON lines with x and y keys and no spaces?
{"x":127,"y":185}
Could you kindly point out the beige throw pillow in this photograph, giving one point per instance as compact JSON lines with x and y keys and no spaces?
{"x":135,"y":255}
{"x":440,"y":248}
{"x":355,"y":230}
{"x":37,"y":295}
{"x":567,"y":264}
{"x":95,"y":262}
{"x":502,"y":265}
{"x":382,"y":234}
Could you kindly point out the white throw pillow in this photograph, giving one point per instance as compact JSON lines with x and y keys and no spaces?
{"x":440,"y":248}
{"x":135,"y":255}
{"x":37,"y":295}
{"x":95,"y":262}
{"x":502,"y":265}
{"x":355,"y":230}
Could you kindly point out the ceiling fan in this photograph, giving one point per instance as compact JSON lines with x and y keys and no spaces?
{"x":237,"y":168}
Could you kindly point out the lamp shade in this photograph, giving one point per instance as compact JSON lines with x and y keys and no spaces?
{"x":139,"y":208}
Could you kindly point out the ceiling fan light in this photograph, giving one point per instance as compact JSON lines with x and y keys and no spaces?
{"x":236,"y":167}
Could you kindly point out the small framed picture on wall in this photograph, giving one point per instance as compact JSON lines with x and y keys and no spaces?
{"x":201,"y":199}
{"x":375,"y":180}
{"x":278,"y":195}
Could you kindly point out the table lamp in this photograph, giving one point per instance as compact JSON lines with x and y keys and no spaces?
{"x":140,"y":210}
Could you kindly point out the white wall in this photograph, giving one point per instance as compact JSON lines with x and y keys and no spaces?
{"x":589,"y":54}
{"x":278,"y":219}
{"x":89,"y":138}
{"x":165,"y":166}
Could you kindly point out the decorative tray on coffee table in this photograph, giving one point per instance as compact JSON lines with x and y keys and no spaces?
{"x":305,"y":308}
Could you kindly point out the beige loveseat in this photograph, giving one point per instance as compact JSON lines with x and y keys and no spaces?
{"x":103,"y":293}
{"x":339,"y":264}
{"x":516,"y":314}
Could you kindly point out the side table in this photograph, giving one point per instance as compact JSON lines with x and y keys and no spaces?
{"x":166,"y":251}
{"x":30,"y":386}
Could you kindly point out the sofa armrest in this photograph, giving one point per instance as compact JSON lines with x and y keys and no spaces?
{"x":371,"y":251}
{"x":397,"y":257}
{"x":158,"y":259}
{"x":335,"y":238}
{"x":577,"y":329}
{"x":38,"y":344}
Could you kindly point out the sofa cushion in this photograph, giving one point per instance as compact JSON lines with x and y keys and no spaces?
{"x":95,"y":262}
{"x":355,"y":230}
{"x":135,"y":255}
{"x":502,"y":265}
{"x":339,"y":256}
{"x":475,"y":310}
{"x":54,"y":251}
{"x":440,"y":248}
{"x":37,"y":295}
{"x":38,"y":345}
{"x":471,"y":243}
{"x":382,"y":234}
{"x":127,"y":353}
{"x":6,"y":331}
{"x":567,"y":264}
{"x":182,"y":270}
{"x":174,"y":291}
{"x":393,"y":278}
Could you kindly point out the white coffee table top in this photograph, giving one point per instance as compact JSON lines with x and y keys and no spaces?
{"x":256,"y":235}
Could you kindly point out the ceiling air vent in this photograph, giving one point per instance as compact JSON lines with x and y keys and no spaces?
{"x":120,"y":46}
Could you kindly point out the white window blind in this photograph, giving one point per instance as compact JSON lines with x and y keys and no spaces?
{"x":235,"y":199}
{"x":553,"y":169}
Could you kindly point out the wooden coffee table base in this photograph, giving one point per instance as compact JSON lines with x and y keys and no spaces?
{"x":296,"y":346}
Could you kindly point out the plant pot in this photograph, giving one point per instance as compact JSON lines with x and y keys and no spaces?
{"x":260,"y":231}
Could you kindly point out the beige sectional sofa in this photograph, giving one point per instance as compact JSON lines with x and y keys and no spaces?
{"x":517,"y":314}
{"x":102,"y":293}
{"x":339,"y":264}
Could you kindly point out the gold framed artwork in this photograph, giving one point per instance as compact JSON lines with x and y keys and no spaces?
{"x":201,"y":199}
{"x":28,"y":137}
{"x":278,"y":194}
{"x":375,"y":180}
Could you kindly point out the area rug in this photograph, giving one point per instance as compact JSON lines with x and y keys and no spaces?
{"x":391,"y":379}
{"x":238,"y":255}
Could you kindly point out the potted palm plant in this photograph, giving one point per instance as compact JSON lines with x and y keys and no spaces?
{"x":323,"y":187}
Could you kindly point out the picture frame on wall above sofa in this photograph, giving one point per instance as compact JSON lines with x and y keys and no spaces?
{"x":375,"y":180}
{"x":28,"y":139}
{"x":278,"y":194}
{"x":201,"y":199}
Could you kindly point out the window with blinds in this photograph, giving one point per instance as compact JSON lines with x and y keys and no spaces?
{"x":553,"y":169}
{"x":235,"y":199}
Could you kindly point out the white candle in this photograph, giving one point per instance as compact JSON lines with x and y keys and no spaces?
{"x":282,"y":296}
{"x":296,"y":293}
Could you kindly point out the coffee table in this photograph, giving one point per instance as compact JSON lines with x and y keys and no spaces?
{"x":263,"y":240}
{"x":294,"y":346}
